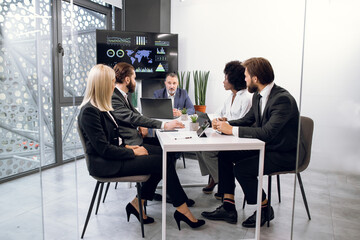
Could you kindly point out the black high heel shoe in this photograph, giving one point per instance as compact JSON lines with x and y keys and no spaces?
{"x":131,"y":210}
{"x":181,"y":217}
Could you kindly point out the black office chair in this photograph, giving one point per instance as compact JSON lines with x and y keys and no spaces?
{"x":100,"y":182}
{"x":183,"y":157}
{"x":307,"y":129}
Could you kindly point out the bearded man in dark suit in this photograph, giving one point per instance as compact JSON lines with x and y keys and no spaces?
{"x":134,"y":126}
{"x":273,"y":118}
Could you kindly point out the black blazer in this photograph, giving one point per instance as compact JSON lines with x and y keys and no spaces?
{"x":278,"y":126}
{"x":130,"y":119}
{"x":102,"y":142}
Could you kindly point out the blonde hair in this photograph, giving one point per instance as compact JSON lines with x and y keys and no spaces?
{"x":99,"y":87}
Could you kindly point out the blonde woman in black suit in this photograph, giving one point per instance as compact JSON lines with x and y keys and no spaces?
{"x":110,"y":157}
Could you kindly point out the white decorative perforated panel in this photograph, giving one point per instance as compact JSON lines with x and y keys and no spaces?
{"x":80,"y":47}
{"x":25,"y":60}
{"x":26,"y":71}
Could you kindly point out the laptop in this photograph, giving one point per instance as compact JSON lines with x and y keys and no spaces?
{"x":157,"y":108}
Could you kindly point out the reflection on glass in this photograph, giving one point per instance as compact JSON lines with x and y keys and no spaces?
{"x":22,"y":77}
{"x":25,"y":111}
{"x":99,"y":2}
{"x":79,"y":44}
{"x":71,"y":143}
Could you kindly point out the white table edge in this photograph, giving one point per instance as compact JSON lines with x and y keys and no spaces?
{"x":175,"y":148}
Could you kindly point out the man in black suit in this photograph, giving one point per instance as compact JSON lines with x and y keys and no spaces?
{"x":273,"y":118}
{"x":134,"y":127}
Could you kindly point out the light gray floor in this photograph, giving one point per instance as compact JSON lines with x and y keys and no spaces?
{"x":334,"y":202}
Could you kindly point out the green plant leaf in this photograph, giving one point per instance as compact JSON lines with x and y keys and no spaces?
{"x":200,"y":83}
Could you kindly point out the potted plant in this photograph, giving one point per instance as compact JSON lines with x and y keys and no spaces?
{"x":194,"y":124}
{"x":200,"y":85}
{"x":184,"y":80}
{"x":184,"y":115}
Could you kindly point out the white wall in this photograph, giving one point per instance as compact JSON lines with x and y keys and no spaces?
{"x":212,"y":33}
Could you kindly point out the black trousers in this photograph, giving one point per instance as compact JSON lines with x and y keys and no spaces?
{"x":244,"y":166}
{"x":154,"y":141}
{"x":152,"y":164}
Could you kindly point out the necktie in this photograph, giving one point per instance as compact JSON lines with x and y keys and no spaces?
{"x":259,"y":106}
{"x":129,"y":103}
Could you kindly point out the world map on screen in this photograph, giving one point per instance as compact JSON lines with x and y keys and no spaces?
{"x":139,"y":55}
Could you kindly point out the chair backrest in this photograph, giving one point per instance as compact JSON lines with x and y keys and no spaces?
{"x":82,"y":140}
{"x":307,"y":129}
{"x":135,"y":178}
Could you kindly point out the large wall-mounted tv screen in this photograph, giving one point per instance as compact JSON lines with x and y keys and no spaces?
{"x":153,"y":55}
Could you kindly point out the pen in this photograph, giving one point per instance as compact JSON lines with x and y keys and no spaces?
{"x":178,"y":138}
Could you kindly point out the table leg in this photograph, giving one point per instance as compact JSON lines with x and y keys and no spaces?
{"x":259,"y":196}
{"x":163,"y":212}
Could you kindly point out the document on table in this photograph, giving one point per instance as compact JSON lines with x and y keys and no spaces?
{"x":182,"y":135}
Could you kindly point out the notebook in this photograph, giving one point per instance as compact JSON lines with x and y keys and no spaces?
{"x":157,"y":108}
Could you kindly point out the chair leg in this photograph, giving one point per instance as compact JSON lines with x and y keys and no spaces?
{"x":303,"y":195}
{"x":99,"y":198}
{"x":116,"y":185}
{"x":269,"y":201}
{"x":140,"y":209}
{"x":90,"y":208}
{"x":278,"y":187}
{"x":145,"y":203}
{"x":183,"y":157}
{"x":106,"y":191}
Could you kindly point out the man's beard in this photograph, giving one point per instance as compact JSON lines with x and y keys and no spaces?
{"x":252,"y":87}
{"x":131,"y":87}
{"x":172,"y":92}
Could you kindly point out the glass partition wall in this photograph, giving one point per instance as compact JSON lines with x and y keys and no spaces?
{"x":26,"y":126}
{"x":330,"y":97}
{"x":241,"y":30}
{"x":46,"y":49}
{"x":42,"y":83}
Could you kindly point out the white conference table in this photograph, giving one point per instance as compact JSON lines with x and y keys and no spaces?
{"x":213,"y":142}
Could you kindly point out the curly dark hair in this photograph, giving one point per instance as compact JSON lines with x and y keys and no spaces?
{"x":235,"y":73}
{"x":122,"y":70}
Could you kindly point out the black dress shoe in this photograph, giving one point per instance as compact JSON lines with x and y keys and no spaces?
{"x":158,"y":197}
{"x":219,"y":196}
{"x":221,"y":214}
{"x":251,"y":221}
{"x":189,"y":202}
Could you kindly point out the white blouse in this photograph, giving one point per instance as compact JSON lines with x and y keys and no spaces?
{"x":238,"y":109}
